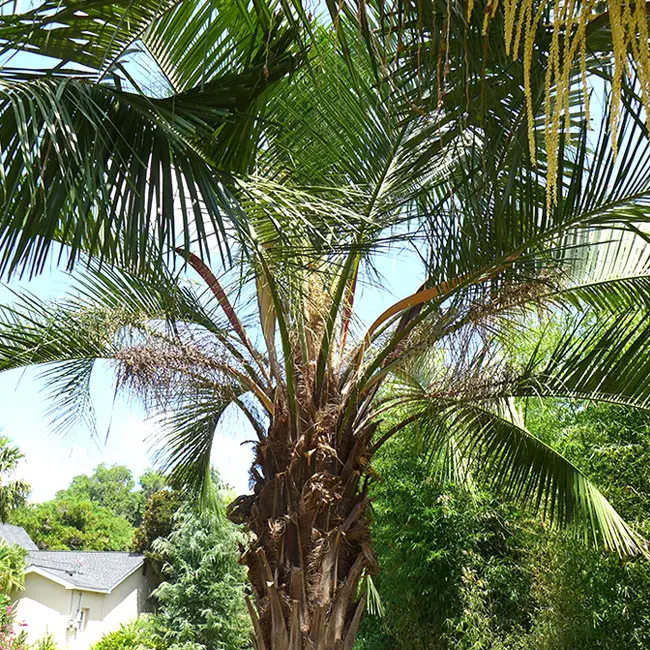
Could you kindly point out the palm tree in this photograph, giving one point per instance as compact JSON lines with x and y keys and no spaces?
{"x":302,"y":188}
{"x":13,"y":493}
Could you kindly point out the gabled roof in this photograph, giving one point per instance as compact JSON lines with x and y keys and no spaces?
{"x":99,"y":571}
{"x":17,"y":535}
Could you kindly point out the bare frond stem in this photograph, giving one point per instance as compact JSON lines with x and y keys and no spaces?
{"x":395,"y":429}
{"x":215,"y":286}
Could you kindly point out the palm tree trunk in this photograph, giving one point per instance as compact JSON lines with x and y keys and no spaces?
{"x":311,"y":541}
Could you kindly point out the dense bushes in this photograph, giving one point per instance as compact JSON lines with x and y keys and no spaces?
{"x":136,"y":635}
{"x":451,"y":570}
{"x":459,"y":570}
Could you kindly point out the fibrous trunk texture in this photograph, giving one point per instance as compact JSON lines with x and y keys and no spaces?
{"x":310,"y":545}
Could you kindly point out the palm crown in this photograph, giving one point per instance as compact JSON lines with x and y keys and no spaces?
{"x":282,"y":193}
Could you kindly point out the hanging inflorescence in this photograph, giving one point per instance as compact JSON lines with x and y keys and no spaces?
{"x":573,"y":21}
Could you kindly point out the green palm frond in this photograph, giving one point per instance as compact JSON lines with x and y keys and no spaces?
{"x":96,"y":162}
{"x":130,"y":323}
{"x":97,"y":170}
{"x":89,"y":34}
{"x":185,"y":437}
{"x":191,"y":42}
{"x":493,"y":439}
{"x":604,"y":359}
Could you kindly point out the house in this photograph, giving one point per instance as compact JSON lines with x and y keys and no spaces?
{"x":77,"y":596}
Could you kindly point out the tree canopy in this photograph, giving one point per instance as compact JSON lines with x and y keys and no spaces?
{"x":113,"y":487}
{"x":96,"y":512}
{"x":66,"y":524}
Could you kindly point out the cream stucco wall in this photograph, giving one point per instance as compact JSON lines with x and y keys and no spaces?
{"x":47,"y":607}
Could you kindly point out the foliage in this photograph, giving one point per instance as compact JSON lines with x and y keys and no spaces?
{"x":157,"y":522}
{"x":151,"y":481}
{"x":69,"y":524}
{"x":109,"y":487}
{"x":114,"y":488}
{"x":588,"y":599}
{"x":201,"y":602}
{"x":94,"y":513}
{"x":10,"y":638}
{"x":12,"y":567}
{"x":140,"y":634}
{"x":13,"y":493}
{"x":451,"y":574}
{"x":459,"y":571}
{"x":45,"y":643}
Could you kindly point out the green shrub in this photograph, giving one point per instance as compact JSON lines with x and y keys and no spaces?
{"x":139,"y":634}
{"x":46,"y":643}
{"x":12,"y":567}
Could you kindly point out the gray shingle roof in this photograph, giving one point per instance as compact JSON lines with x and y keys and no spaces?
{"x":91,"y":570}
{"x":17,"y":535}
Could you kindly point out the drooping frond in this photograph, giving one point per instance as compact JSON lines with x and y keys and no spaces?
{"x":93,"y":160}
{"x":185,"y":437}
{"x":464,"y":422}
{"x":162,"y":341}
{"x":604,"y":359}
{"x":493,"y":439}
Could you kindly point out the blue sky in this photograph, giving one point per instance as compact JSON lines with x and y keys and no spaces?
{"x":51,"y":461}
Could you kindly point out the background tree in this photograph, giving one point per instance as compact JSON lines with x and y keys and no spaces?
{"x":13,"y":492}
{"x":157,"y":522}
{"x":95,"y":512}
{"x":109,"y":487}
{"x":201,"y":602}
{"x":73,"y":524}
{"x":114,"y":488}
{"x":151,"y":482}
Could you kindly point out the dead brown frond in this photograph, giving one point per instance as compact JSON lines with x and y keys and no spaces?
{"x":161,"y":371}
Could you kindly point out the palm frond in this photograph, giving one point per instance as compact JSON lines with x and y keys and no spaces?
{"x":492,"y":438}
{"x":184,"y":441}
{"x":100,"y":165}
{"x":603,"y":360}
{"x":159,"y":337}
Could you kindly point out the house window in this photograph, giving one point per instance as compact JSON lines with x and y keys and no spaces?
{"x":83,"y":618}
